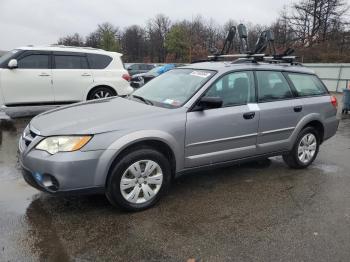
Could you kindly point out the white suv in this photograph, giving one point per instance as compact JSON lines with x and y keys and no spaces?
{"x":55,"y":75}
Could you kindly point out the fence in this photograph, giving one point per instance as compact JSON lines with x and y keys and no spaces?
{"x":335,"y":76}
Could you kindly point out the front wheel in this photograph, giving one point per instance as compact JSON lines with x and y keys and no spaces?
{"x":139,"y":179}
{"x":305,"y":149}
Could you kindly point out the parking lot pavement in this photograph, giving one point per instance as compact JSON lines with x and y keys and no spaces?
{"x":254,"y":212}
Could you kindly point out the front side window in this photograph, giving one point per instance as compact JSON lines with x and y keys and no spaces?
{"x":234,"y":89}
{"x":36,"y":61}
{"x":272,"y":86}
{"x":173,"y":88}
{"x":307,"y":85}
{"x":70,"y":62}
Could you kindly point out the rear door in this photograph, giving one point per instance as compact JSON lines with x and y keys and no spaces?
{"x":226,"y":133}
{"x":279,"y":111}
{"x":30,"y":83}
{"x":71,"y":76}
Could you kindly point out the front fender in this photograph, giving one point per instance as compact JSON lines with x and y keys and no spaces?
{"x":107,"y":158}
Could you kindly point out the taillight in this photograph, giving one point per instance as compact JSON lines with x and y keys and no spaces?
{"x":126,"y":77}
{"x":334,"y":101}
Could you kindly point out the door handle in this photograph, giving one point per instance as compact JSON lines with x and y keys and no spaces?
{"x":44,"y":74}
{"x":249,"y":115}
{"x":85,"y":74}
{"x":298,"y":109}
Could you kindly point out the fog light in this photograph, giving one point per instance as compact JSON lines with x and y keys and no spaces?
{"x":47,"y":181}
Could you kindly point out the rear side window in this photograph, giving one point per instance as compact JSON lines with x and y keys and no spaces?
{"x":97,"y":61}
{"x":70,"y":62}
{"x":34,"y":62}
{"x":272,"y":86}
{"x":307,"y":85}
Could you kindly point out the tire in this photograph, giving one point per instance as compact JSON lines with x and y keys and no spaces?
{"x":294,"y":158}
{"x":137,"y":185}
{"x":101,"y":92}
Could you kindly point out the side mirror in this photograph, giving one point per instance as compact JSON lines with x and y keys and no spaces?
{"x":12,"y":64}
{"x":209,"y":103}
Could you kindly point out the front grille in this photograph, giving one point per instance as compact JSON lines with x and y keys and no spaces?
{"x":28,"y":137}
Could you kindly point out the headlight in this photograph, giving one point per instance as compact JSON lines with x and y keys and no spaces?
{"x":56,"y":144}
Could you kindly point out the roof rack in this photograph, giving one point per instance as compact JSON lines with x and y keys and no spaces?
{"x":265,"y":41}
{"x":256,"y":58}
{"x":80,"y":47}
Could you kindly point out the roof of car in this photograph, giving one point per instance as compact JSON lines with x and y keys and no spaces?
{"x":229,"y":66}
{"x":68,"y":49}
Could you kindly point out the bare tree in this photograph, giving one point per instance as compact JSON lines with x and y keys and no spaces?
{"x":134,"y":44}
{"x":71,"y":40}
{"x":157,"y":29}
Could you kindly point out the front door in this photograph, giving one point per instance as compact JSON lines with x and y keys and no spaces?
{"x":30,"y":83}
{"x":226,"y":133}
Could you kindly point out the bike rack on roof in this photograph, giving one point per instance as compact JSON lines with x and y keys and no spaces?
{"x":266,"y":40}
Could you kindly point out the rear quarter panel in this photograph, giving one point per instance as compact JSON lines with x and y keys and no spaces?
{"x":111,"y":76}
{"x":317,"y":108}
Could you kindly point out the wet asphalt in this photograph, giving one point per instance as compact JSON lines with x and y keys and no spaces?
{"x":254,"y":212}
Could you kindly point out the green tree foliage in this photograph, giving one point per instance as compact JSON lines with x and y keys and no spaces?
{"x":178,"y":43}
{"x":108,"y":37}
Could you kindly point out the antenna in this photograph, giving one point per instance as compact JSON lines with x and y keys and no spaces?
{"x":243,"y":37}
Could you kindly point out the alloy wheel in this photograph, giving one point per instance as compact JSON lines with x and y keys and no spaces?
{"x":307,"y":148}
{"x":101,"y":94}
{"x":141,"y":181}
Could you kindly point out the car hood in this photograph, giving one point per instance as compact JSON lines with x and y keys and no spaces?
{"x":94,"y":117}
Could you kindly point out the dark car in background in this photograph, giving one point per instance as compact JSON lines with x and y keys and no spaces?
{"x":139,"y":80}
{"x":139,"y":68}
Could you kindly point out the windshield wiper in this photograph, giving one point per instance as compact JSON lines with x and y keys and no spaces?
{"x":146,"y":101}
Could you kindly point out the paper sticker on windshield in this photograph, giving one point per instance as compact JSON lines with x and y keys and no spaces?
{"x":168,"y":101}
{"x":200,"y":74}
{"x":171,"y":102}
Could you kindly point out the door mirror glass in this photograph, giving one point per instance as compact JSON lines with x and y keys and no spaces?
{"x":12,"y":64}
{"x":209,"y":102}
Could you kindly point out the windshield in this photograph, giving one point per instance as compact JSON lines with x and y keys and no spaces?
{"x":174,"y":88}
{"x":7,"y":55}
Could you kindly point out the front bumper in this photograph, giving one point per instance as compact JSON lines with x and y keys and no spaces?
{"x":63,"y":172}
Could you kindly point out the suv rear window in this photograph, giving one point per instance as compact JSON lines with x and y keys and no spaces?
{"x":272,"y":86}
{"x":307,"y":85}
{"x":97,"y":61}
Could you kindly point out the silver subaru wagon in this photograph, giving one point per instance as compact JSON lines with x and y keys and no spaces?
{"x":203,"y":115}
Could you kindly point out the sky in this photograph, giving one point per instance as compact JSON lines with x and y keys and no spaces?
{"x":41,"y":22}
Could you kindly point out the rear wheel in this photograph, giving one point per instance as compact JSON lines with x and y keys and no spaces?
{"x":139,"y":179}
{"x":305,"y":149}
{"x":101,"y":92}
